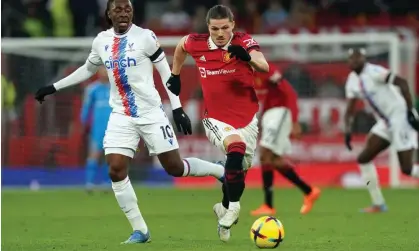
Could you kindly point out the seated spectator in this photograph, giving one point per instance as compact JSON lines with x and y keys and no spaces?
{"x":175,"y":18}
{"x":275,"y":15}
{"x":250,"y":20}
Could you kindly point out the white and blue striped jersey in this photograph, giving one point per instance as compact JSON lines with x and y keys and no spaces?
{"x":375,"y":86}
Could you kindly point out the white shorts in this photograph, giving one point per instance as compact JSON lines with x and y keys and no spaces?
{"x":123,"y":134}
{"x":276,"y":130}
{"x":217,"y":131}
{"x":399,"y":133}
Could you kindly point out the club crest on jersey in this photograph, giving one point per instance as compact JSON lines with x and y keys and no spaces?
{"x":130,"y":47}
{"x":226,"y":57}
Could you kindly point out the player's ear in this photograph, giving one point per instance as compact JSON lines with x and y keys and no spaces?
{"x":233,"y":24}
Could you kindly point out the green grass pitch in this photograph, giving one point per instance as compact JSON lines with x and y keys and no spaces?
{"x":182,"y":220}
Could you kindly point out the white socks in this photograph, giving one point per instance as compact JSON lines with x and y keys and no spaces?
{"x":369,"y":174}
{"x":127,"y":200}
{"x":200,"y":168}
{"x":415,"y":171}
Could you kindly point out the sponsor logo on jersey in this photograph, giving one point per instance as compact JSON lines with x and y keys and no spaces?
{"x":204,"y":72}
{"x":120,"y":63}
{"x":226,"y":56}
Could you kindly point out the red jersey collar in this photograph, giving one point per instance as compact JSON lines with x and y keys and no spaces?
{"x":213,"y":46}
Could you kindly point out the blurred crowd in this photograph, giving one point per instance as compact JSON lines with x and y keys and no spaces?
{"x":65,"y":18}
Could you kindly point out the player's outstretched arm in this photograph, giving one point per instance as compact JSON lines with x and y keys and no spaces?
{"x":179,"y":57}
{"x":81,"y":74}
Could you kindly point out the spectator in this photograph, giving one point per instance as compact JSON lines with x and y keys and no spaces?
{"x":85,"y":15}
{"x":37,"y":22}
{"x":275,"y":15}
{"x":198,"y":20}
{"x":250,"y":20}
{"x":301,"y":14}
{"x":175,"y":18}
{"x":61,"y":18}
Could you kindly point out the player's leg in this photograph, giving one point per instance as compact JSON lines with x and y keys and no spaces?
{"x":405,"y":142}
{"x":378,"y":140}
{"x":120,"y":143}
{"x":287,"y":169}
{"x":92,"y":163}
{"x":267,"y":171}
{"x":162,"y":142}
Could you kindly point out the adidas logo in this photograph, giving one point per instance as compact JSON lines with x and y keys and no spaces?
{"x":202,"y":58}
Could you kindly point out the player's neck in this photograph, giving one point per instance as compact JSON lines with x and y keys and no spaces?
{"x":360,"y":69}
{"x":123,"y":32}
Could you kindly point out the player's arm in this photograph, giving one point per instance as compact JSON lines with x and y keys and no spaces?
{"x":179,"y":57}
{"x":383,"y":75}
{"x":349,"y":111}
{"x":87,"y":105}
{"x":249,"y":51}
{"x":83,"y":73}
{"x":258,"y":61}
{"x":157,"y":56}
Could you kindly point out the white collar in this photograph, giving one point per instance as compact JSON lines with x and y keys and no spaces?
{"x":213,"y":46}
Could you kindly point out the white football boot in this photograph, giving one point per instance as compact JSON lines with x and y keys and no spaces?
{"x":220,"y":211}
{"x":230,"y":218}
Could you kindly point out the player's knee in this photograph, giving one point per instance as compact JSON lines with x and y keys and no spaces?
{"x":265,"y":156}
{"x":174,"y":169}
{"x":235,"y":155}
{"x":279,"y":162}
{"x":118,"y":167}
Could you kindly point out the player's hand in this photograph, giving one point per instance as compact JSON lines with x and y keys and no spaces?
{"x":296,"y":130}
{"x":239,"y":52}
{"x":348,"y":139}
{"x":173,"y":84}
{"x":44,"y":91}
{"x":182,"y":121}
{"x":413,"y":119}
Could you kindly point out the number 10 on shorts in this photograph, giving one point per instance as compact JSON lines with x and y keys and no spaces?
{"x":166,"y":131}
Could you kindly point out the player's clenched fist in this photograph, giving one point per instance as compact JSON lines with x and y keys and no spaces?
{"x":182,"y":121}
{"x":173,"y":84}
{"x":239,"y":52}
{"x":44,"y":91}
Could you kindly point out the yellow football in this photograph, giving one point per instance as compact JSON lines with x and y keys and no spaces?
{"x":267,"y":232}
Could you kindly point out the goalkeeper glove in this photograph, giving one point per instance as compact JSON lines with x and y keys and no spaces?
{"x":239,"y":52}
{"x":182,"y":121}
{"x":413,"y":119}
{"x":173,"y":84}
{"x":44,"y":91}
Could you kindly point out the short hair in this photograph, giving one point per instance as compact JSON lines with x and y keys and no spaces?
{"x":219,"y":12}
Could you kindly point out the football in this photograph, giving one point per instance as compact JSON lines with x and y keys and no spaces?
{"x":267,"y":232}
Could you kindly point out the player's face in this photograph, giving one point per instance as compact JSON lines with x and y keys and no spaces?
{"x":220,"y":30}
{"x":120,"y":12}
{"x":356,"y":61}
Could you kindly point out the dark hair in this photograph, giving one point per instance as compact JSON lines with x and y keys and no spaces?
{"x":219,"y":12}
{"x":108,"y":6}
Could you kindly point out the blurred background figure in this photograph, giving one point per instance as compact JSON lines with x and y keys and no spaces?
{"x":94,"y":117}
{"x":175,"y":18}
{"x":274,"y":16}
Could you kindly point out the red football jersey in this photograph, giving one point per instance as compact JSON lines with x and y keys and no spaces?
{"x":275,"y":91}
{"x":227,"y":83}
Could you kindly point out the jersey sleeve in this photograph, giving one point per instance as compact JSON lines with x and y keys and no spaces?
{"x":249,"y":43}
{"x":350,"y":92}
{"x":188,"y":44}
{"x":380,"y":74}
{"x":94,"y":57}
{"x":152,"y":47}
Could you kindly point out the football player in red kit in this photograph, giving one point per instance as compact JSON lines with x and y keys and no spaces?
{"x":279,"y":122}
{"x":226,"y":61}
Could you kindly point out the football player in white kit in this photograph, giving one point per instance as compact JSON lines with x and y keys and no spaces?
{"x":389,"y":97}
{"x":129,"y":53}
